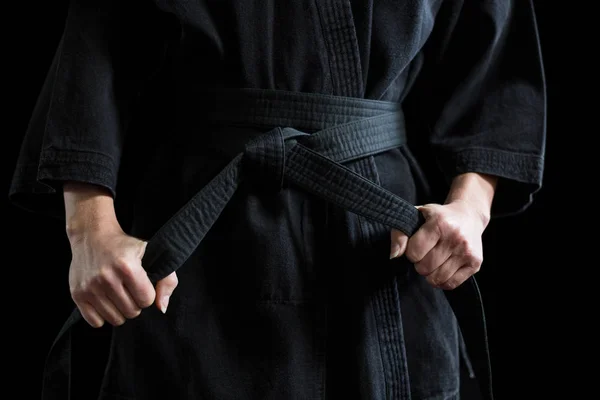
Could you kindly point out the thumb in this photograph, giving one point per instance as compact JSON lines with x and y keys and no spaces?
{"x":428,"y":209}
{"x":164,"y":290}
{"x":142,"y":249}
{"x":399,"y":240}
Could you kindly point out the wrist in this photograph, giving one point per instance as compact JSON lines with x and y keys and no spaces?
{"x":88,"y":209}
{"x":475,"y":190}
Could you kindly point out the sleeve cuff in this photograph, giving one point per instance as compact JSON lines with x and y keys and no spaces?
{"x":38,"y":187}
{"x":520,"y":175}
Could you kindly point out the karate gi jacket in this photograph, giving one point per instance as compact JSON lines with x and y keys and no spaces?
{"x":265,"y":149}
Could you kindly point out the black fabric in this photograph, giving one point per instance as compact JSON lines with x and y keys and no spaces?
{"x":313,"y":164}
{"x":301,"y":281}
{"x":456,"y":66}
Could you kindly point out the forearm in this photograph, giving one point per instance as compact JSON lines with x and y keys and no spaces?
{"x":477,"y":190}
{"x":87,"y":208}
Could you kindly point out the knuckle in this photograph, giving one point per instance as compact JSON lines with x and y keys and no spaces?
{"x":96,"y":324}
{"x":446,"y":226}
{"x":462,"y":242}
{"x":82,"y":292}
{"x":450,"y":232}
{"x":170,"y":281}
{"x":456,"y":231}
{"x":117,"y":321}
{"x":452,"y":283}
{"x":133,"y":313}
{"x":421,"y":269}
{"x":433,"y":281}
{"x":478,"y":260}
{"x":93,"y":322}
{"x":103,"y":278}
{"x":123,"y":265}
{"x":424,"y":268}
{"x":412,"y":255}
{"x":475,"y":259}
{"x":467,"y":250}
{"x":77,"y":293}
{"x":146,"y":300}
{"x":77,"y":298}
{"x":401,"y":241}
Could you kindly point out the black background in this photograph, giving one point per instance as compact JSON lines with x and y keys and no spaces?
{"x":524,"y":279}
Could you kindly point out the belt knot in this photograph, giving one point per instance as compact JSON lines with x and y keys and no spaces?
{"x":264,"y":156}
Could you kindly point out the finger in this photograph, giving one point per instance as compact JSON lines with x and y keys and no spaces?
{"x":458,"y":278}
{"x":434,"y":259}
{"x":164,"y":290}
{"x":141,"y":289}
{"x":107,"y":310}
{"x":422,"y":242}
{"x":124,"y":302}
{"x":399,"y":240}
{"x":442,"y":274}
{"x":90,"y":315}
{"x":142,"y":249}
{"x":138,"y":283}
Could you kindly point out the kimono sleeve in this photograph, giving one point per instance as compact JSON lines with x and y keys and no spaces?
{"x":108,"y":50}
{"x":483,"y":91}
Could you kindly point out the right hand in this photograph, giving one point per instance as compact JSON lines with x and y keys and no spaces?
{"x":107,"y":280}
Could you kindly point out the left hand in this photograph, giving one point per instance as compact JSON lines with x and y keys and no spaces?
{"x":447,"y":248}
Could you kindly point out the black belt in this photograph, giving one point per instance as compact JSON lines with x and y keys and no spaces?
{"x":343,"y":129}
{"x":347,"y":129}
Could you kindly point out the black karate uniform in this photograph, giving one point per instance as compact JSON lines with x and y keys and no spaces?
{"x":286,"y":138}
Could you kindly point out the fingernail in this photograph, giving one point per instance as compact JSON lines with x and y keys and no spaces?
{"x":164,"y":302}
{"x":395,"y":251}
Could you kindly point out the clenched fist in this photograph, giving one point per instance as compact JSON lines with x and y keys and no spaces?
{"x":107,"y":280}
{"x":447,"y":248}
